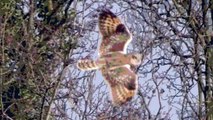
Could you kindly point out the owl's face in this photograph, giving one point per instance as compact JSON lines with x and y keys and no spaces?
{"x":136,"y":59}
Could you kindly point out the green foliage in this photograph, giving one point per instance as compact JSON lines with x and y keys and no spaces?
{"x":6,"y":5}
{"x":210,"y":104}
{"x":31,"y":49}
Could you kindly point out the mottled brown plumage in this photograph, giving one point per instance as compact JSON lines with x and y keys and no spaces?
{"x":115,"y":36}
{"x":114,"y":63}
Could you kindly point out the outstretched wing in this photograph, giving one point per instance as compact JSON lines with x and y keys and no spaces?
{"x":122,"y":83}
{"x":115,"y":35}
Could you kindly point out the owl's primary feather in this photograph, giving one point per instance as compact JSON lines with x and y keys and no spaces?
{"x":108,"y":23}
{"x":122,"y":83}
{"x":115,"y":35}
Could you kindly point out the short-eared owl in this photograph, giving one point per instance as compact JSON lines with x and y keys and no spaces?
{"x":114,"y":62}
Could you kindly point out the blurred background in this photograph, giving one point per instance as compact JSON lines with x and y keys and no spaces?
{"x":41,"y":41}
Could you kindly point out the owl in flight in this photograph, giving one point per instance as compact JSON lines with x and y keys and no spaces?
{"x":113,"y":61}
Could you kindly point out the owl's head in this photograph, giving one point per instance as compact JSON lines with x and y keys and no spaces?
{"x":136,"y":58}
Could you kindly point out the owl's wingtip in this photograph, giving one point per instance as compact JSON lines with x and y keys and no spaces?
{"x":105,"y":11}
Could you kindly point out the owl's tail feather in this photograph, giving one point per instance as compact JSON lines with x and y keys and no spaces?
{"x":89,"y":64}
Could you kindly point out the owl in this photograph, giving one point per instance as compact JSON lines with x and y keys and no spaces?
{"x":113,"y":62}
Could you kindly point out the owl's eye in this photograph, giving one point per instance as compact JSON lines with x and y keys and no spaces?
{"x":134,"y":57}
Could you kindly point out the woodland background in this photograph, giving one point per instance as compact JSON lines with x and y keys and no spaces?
{"x":41,"y":41}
